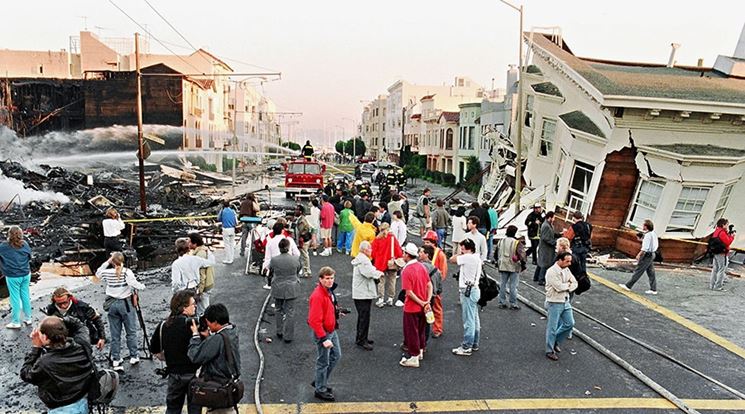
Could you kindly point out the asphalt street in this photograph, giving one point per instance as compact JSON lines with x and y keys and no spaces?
{"x":508,"y":374}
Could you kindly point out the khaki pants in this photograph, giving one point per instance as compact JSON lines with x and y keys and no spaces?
{"x":305,"y":259}
{"x":387,"y":285}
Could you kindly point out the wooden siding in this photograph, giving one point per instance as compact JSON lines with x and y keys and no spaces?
{"x":614,"y":195}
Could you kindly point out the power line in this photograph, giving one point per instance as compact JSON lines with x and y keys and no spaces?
{"x":224,"y":58}
{"x":176,"y":30}
{"x":156,"y":39}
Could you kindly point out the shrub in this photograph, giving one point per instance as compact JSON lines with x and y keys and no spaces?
{"x":448,"y":179}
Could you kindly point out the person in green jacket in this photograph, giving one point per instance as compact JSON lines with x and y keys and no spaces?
{"x":346,"y":229}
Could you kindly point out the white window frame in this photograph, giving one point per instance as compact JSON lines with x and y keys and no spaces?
{"x":691,"y":207}
{"x":578,"y":200}
{"x":560,"y":170}
{"x":723,"y":202}
{"x":648,"y":203}
{"x":548,"y":140}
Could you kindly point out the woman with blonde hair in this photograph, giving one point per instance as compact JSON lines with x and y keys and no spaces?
{"x":15,"y":258}
{"x":119,"y":284}
{"x":112,"y":231}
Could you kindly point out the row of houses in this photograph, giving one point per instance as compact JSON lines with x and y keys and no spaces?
{"x":93,"y":85}
{"x":442,"y":122}
{"x":619,"y":141}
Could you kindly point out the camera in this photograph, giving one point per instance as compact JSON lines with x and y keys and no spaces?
{"x":732,"y":229}
{"x":163,"y":372}
{"x":467,"y":293}
{"x":201,"y":323}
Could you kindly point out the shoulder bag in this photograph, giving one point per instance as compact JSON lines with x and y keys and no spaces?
{"x":216,"y":393}
{"x":392,"y":261}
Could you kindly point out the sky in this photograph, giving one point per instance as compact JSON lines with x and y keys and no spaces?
{"x":334,"y":54}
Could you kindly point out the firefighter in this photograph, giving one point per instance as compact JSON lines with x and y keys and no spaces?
{"x":401,"y":179}
{"x":307,"y":151}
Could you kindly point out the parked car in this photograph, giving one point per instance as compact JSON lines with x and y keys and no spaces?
{"x":274,"y":167}
{"x":367,"y":168}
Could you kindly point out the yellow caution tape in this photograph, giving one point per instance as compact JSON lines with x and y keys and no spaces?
{"x":146,"y":220}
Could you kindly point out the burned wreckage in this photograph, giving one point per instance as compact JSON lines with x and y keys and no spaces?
{"x":71,"y":235}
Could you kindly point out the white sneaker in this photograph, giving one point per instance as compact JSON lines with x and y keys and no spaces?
{"x":28,"y":322}
{"x":315,"y":253}
{"x":651,"y":292}
{"x":325,"y":253}
{"x":462,"y":351}
{"x":380,"y":303}
{"x":624,"y":287}
{"x":399,"y":303}
{"x":134,"y":360}
{"x":227,"y":262}
{"x":117,"y":365}
{"x":421,"y":354}
{"x":412,"y":362}
{"x":267,"y":287}
{"x":389,"y":302}
{"x":13,"y":325}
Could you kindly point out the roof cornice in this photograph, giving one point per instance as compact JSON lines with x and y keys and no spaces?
{"x":673,"y":104}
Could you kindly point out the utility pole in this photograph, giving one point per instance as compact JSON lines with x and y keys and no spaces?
{"x":235,"y":138}
{"x":519,"y":119}
{"x":140,"y":142}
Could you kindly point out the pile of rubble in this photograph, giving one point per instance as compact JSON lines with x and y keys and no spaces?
{"x":71,"y":233}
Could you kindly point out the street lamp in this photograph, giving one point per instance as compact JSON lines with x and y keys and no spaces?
{"x":519,"y":149}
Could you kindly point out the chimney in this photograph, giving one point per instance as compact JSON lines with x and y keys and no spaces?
{"x":740,"y":49}
{"x":700,"y":63}
{"x":671,"y":61}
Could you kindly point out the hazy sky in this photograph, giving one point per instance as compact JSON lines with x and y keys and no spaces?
{"x":332,"y":54}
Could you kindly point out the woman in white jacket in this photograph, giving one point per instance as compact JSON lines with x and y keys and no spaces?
{"x":364,"y":291}
{"x":459,"y":229}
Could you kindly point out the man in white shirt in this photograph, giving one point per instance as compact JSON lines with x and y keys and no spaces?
{"x":272,"y":248}
{"x":645,"y":259}
{"x":398,"y":227}
{"x":468,"y":285}
{"x":478,"y":239}
{"x":185,"y":269}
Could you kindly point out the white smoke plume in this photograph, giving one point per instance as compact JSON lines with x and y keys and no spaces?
{"x":10,"y":187}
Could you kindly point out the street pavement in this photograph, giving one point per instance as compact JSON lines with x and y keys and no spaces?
{"x":508,"y":374}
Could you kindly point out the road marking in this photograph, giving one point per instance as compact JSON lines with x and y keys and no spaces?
{"x":706,"y":333}
{"x":525,"y":404}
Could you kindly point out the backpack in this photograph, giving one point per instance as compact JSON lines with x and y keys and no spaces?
{"x":104,"y":384}
{"x":715,"y":246}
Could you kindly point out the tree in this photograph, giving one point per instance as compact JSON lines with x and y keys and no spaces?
{"x":359,"y":147}
{"x":291,"y":145}
{"x":340,"y":147}
{"x":473,"y":169}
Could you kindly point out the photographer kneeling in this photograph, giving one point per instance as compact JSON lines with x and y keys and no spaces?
{"x":172,"y":338}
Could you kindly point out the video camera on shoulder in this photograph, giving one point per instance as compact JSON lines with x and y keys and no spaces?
{"x":201,"y":323}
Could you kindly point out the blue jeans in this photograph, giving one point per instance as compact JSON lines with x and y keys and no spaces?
{"x":122,"y":313}
{"x":559,"y":324}
{"x":20,"y":298}
{"x":442,"y":234}
{"x":470,"y":315}
{"x":78,"y":407}
{"x":509,"y":280}
{"x":326,"y":360}
{"x":344,"y":240}
{"x":489,"y":245}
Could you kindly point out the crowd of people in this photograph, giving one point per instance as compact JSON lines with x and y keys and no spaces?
{"x":198,"y":342}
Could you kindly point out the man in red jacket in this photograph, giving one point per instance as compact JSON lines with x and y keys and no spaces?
{"x":322,"y":320}
{"x":721,"y":258}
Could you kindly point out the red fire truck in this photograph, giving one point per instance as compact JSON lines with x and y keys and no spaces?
{"x":303,"y":176}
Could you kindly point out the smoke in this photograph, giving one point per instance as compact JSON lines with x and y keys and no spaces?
{"x":116,"y":138}
{"x":10,"y":187}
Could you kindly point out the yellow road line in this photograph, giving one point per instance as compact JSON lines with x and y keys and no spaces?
{"x":706,"y":333}
{"x":490,"y":405}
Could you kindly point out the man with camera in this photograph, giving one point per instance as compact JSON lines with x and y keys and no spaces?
{"x":468,"y":285}
{"x":216,"y":350}
{"x":171,"y":338}
{"x":722,"y":238}
{"x":64,"y":304}
{"x":59,"y":367}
